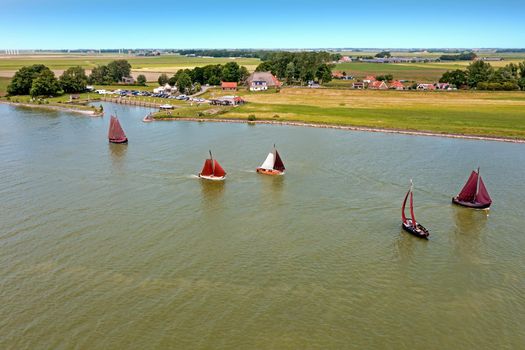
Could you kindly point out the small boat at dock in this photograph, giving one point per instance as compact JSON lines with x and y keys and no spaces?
{"x":116,"y":134}
{"x":474,"y":194}
{"x":410,"y":224}
{"x":273,"y":164}
{"x":212,"y":170}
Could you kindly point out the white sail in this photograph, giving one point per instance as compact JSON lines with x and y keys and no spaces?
{"x":269,"y":162}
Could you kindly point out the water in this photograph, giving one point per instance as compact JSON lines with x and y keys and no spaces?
{"x":121,"y":246}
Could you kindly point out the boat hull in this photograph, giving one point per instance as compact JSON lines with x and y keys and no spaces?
{"x":118,"y":140}
{"x":269,"y":172}
{"x":212,"y":178}
{"x":420,"y":231}
{"x":472,"y":205}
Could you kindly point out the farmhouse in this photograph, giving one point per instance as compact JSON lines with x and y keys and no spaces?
{"x":227,"y":101}
{"x":443,"y":86}
{"x":258,"y":81}
{"x":345,"y":59}
{"x":128,"y":80}
{"x":397,"y":85}
{"x":378,"y":85}
{"x":358,"y":85}
{"x":228,"y":86}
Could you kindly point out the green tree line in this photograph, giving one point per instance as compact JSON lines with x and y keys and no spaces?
{"x":481,"y":75}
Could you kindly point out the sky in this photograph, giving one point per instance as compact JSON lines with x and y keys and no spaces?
{"x":73,"y":24}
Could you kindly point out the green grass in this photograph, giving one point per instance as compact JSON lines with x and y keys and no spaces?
{"x":3,"y":85}
{"x":156,"y":63}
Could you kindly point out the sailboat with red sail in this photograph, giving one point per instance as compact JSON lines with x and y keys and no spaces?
{"x":212,"y":170}
{"x":410,"y":224}
{"x":116,"y":133}
{"x":273,"y":164}
{"x":474,"y":194}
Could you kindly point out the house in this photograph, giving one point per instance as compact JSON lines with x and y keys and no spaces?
{"x":228,"y":86}
{"x":345,"y":59}
{"x":397,"y":85}
{"x":378,"y":85}
{"x":313,"y":84}
{"x":128,"y":80}
{"x":227,"y":101}
{"x":443,"y":86}
{"x":338,"y":74}
{"x":358,"y":85}
{"x":426,"y":87}
{"x":369,"y":79}
{"x":258,"y":81}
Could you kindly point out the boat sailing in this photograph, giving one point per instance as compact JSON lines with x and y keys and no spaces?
{"x":410,"y":224}
{"x":212,"y":170}
{"x":116,"y":134}
{"x":273,"y":165}
{"x":474,"y":194}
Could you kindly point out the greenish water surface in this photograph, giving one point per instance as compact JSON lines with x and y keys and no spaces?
{"x":123,"y":247}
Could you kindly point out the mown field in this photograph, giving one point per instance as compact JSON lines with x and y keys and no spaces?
{"x":152,"y":67}
{"x":497,"y":114}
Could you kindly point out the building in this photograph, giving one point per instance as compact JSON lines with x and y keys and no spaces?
{"x":358,"y":85}
{"x":378,"y":85}
{"x":369,"y":79}
{"x":426,"y":87}
{"x":227,"y":101}
{"x":259,"y":81}
{"x":397,"y":85}
{"x":128,"y":80}
{"x":443,"y":86}
{"x":345,"y":59}
{"x":228,"y":86}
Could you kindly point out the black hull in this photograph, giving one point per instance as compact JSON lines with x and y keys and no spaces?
{"x":115,"y":141}
{"x":420,"y":232}
{"x":472,"y":205}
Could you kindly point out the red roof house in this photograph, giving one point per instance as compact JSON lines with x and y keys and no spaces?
{"x":228,"y":86}
{"x":378,"y":85}
{"x":369,"y":79}
{"x":397,"y":85}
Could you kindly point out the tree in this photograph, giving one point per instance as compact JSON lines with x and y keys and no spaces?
{"x":163,"y":79}
{"x":141,"y":79}
{"x":23,"y":79}
{"x":243,"y":74}
{"x":521,"y":67}
{"x":45,"y":84}
{"x":74,"y":79}
{"x":479,"y":71}
{"x":183,"y":82}
{"x":386,"y":77}
{"x":384,"y":54}
{"x":290,"y":72}
{"x":99,"y":75}
{"x":230,"y":72}
{"x":119,"y":69}
{"x":456,"y":77}
{"x":323,"y":73}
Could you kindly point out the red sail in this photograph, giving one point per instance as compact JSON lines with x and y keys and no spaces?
{"x":115,"y":130}
{"x":468,"y":193}
{"x":217,"y":169}
{"x":403,"y":216}
{"x":207,"y":169}
{"x":278,"y":165}
{"x":414,"y":223}
{"x":483,"y":195}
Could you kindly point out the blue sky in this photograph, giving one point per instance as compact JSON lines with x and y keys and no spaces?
{"x":60,"y":24}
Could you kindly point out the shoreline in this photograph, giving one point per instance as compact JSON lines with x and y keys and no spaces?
{"x":349,"y":127}
{"x":53,"y":107}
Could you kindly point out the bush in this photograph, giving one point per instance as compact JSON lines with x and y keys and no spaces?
{"x":276,"y":116}
{"x":252,"y":117}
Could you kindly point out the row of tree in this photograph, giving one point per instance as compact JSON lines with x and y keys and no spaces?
{"x":483,"y":76}
{"x":111,"y":73}
{"x":464,"y":56}
{"x":299,"y":67}
{"x":190,"y":80}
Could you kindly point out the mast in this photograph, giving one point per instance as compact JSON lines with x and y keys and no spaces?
{"x":412,"y":204}
{"x":477,"y":187}
{"x":212,"y":165}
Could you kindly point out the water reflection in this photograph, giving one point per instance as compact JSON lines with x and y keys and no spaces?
{"x":406,"y":245}
{"x":468,"y":233}
{"x":212,"y":191}
{"x":117,"y":153}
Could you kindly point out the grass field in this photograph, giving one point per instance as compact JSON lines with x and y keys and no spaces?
{"x":150,"y":66}
{"x":500,"y":114}
{"x":3,"y":85}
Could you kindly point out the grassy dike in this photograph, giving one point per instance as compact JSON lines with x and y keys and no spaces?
{"x":486,"y":114}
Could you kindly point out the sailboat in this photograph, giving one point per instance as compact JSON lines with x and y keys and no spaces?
{"x":212,"y":170}
{"x":474,"y":194}
{"x":410,"y":224}
{"x":116,"y":134}
{"x":273,"y":164}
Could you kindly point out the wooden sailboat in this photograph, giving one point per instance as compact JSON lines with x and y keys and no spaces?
{"x":116,"y":133}
{"x":474,"y":194}
{"x":410,"y":224}
{"x":273,"y":164}
{"x":212,"y":170}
